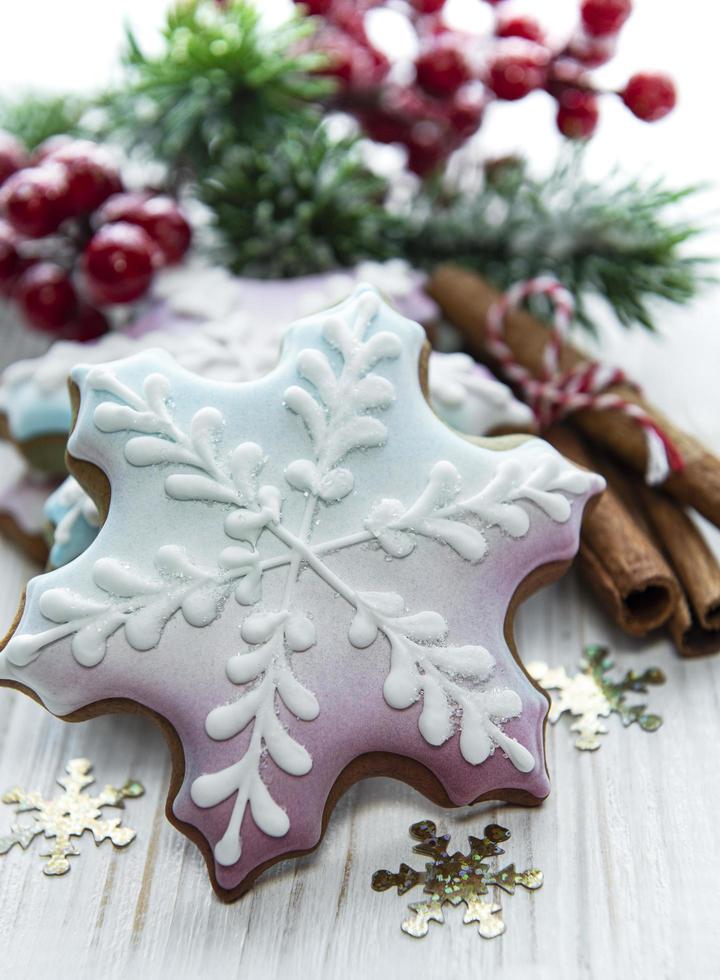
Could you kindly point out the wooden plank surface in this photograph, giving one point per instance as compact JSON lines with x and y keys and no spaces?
{"x":627,"y":839}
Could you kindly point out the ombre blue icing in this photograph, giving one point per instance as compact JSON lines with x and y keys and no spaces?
{"x":74,"y":520}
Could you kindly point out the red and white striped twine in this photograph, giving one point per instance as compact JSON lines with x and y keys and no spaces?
{"x":557,"y":394}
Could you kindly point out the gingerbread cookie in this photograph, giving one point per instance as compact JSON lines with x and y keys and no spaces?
{"x":22,"y":520}
{"x":306,"y":579}
{"x":469,"y":397}
{"x":73,"y":519}
{"x":464,"y":394}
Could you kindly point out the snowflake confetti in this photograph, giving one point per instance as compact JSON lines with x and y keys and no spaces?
{"x":457,"y":878}
{"x":69,"y":815}
{"x":591,"y":695}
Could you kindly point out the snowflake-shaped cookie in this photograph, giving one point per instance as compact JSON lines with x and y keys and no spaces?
{"x":308,"y":577}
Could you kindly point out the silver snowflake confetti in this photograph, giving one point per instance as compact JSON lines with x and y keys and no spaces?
{"x":457,"y":878}
{"x":69,"y":815}
{"x":591,"y":695}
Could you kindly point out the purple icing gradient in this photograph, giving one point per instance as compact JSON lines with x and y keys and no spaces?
{"x":185,"y":676}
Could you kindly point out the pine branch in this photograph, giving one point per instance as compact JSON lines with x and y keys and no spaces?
{"x":221,"y":80}
{"x":615,"y":239}
{"x":34,"y":117}
{"x":301,"y":205}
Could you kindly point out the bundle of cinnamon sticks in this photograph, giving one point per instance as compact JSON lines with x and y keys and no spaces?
{"x":641,"y":552}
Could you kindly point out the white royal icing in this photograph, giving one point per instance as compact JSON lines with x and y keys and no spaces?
{"x":341,"y":397}
{"x":470,"y":399}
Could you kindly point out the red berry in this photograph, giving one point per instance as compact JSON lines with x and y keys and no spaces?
{"x":87,"y":324}
{"x":426,"y":147}
{"x":165,"y":223}
{"x":517,"y":26}
{"x":464,"y":112}
{"x":381,"y":126}
{"x":9,"y":257}
{"x":35,"y":199}
{"x":349,"y":16}
{"x":12,"y":155}
{"x":92,"y":176}
{"x":513,"y":75}
{"x":603,"y":17}
{"x":412,"y":105}
{"x":342,"y":54}
{"x":441,"y":68}
{"x":592,"y":52}
{"x":47,"y":296}
{"x":120,"y":207}
{"x":118,"y":263}
{"x":318,"y":8}
{"x":650,"y":96}
{"x":428,"y":6}
{"x":49,"y":146}
{"x":577,"y":115}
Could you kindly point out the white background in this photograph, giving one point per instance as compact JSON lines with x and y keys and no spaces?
{"x":627,"y":839}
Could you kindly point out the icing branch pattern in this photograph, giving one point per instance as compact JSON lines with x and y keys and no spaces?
{"x":340,"y":403}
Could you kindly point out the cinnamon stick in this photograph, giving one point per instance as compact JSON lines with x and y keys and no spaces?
{"x":695,"y":625}
{"x":617,"y":557}
{"x":690,"y":638}
{"x":465,"y":299}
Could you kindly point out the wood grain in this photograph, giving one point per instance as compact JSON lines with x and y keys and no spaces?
{"x":627,"y":839}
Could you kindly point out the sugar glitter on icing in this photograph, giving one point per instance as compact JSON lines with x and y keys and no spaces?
{"x":349,"y":382}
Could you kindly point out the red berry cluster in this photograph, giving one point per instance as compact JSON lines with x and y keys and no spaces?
{"x":72,"y":240}
{"x":455,"y":74}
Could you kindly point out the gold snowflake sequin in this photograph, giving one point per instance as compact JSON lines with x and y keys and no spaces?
{"x":591,"y":695}
{"x":457,"y":878}
{"x":69,"y":815}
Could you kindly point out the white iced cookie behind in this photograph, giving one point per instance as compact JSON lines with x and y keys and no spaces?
{"x":469,"y":397}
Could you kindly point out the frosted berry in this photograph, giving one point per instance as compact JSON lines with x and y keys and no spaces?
{"x":9,"y":256}
{"x":12,"y":155}
{"x":592,"y":52}
{"x":381,"y":126}
{"x":603,"y":17}
{"x":518,"y":26}
{"x":577,"y":115}
{"x":317,"y":8}
{"x":342,"y":58}
{"x":35,"y":199}
{"x":49,"y":146}
{"x":650,"y":96}
{"x":118,"y":263}
{"x":426,"y":147}
{"x":92,"y":176}
{"x":514,"y":75}
{"x":165,"y":223}
{"x":441,"y":67}
{"x":120,"y":207}
{"x":46,"y":296}
{"x":88,"y":323}
{"x":465,"y":111}
{"x":428,"y":6}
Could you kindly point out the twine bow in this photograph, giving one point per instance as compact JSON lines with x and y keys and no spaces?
{"x":556,"y":394}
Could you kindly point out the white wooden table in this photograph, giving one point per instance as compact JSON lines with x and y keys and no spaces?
{"x":627,"y":840}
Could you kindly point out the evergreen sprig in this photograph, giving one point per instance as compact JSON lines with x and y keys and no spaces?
{"x":303,"y":204}
{"x":616,"y":239}
{"x":34,"y":117}
{"x":222,"y":79}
